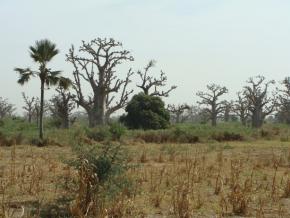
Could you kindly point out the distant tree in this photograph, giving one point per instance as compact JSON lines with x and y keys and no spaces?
{"x":6,"y":109}
{"x":29,"y":107}
{"x":146,"y":112}
{"x":210,"y":99}
{"x":228,"y":106}
{"x":36,"y":115}
{"x":260,"y":104}
{"x":61,"y":107}
{"x":42,"y":53}
{"x":97,"y":67}
{"x":177,"y":111}
{"x":150,"y":85}
{"x":283,"y":114}
{"x":241,"y":108}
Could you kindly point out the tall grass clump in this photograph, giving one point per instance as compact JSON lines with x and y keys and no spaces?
{"x":101,"y":180}
{"x":117,"y":130}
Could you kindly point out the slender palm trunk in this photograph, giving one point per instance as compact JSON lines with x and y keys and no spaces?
{"x":41,"y":110}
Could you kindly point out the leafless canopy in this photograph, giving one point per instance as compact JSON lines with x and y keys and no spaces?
{"x":210,"y":99}
{"x":150,"y":82}
{"x":29,"y":106}
{"x":284,"y":101}
{"x":177,"y":111}
{"x":228,"y":110}
{"x":6,"y":108}
{"x":61,"y":107}
{"x":260,"y":104}
{"x":241,"y":108}
{"x":96,"y":64}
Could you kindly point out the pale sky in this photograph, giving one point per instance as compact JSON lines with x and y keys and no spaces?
{"x":195,"y":42}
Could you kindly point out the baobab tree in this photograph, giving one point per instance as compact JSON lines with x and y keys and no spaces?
{"x":284,"y":102}
{"x":228,"y":106}
{"x":177,"y":111}
{"x":42,"y":53}
{"x":6,"y":109}
{"x":210,"y":99}
{"x":241,"y":108}
{"x":260,"y":104}
{"x":29,"y":106}
{"x":61,"y":107}
{"x":151,"y":85}
{"x":96,"y":65}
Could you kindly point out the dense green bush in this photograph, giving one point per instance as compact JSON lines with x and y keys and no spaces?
{"x":146,"y":112}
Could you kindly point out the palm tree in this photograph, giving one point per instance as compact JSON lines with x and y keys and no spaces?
{"x":42,"y":52}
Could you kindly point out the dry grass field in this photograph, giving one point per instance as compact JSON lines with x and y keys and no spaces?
{"x":233,"y":179}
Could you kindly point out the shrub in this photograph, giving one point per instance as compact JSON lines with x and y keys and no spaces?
{"x":117,"y":130}
{"x":146,"y":112}
{"x":5,"y":141}
{"x":99,"y":134}
{"x":101,"y":177}
{"x":227,"y":136}
{"x":184,"y":136}
{"x":153,"y":136}
{"x":18,"y":139}
{"x":40,"y":142}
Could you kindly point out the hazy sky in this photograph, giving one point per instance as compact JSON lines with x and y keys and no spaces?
{"x":195,"y":42}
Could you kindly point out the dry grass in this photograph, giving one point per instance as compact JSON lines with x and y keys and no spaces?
{"x":199,"y":180}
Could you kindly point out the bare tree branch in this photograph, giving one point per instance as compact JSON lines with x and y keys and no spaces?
{"x":151,"y":82}
{"x":96,"y":65}
{"x":210,"y":99}
{"x":260,"y":104}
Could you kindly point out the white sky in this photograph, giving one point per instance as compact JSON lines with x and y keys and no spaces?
{"x":195,"y":42}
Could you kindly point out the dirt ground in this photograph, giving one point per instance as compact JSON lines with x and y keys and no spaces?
{"x":234,"y":179}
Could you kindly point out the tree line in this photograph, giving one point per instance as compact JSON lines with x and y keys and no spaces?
{"x":95,"y":65}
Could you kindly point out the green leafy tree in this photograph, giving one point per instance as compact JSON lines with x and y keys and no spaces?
{"x":146,"y":112}
{"x":42,"y":52}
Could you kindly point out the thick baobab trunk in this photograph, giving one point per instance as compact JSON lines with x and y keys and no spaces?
{"x":96,"y":116}
{"x":92,"y":117}
{"x":177,"y":120}
{"x":41,"y":110}
{"x":243,"y":121}
{"x":227,"y":115}
{"x":101,"y":109}
{"x":29,"y":117}
{"x":213,"y":115}
{"x":213,"y":121}
{"x":257,"y":119}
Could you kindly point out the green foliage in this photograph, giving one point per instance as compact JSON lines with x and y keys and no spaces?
{"x":227,"y":136}
{"x":107,"y":161}
{"x":117,"y":130}
{"x":99,"y":134}
{"x":15,"y":126}
{"x":146,"y":112}
{"x":40,"y":142}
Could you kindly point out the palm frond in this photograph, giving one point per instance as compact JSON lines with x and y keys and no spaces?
{"x":51,"y":80}
{"x":54,"y":73}
{"x":24,"y":75}
{"x":43,"y":51}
